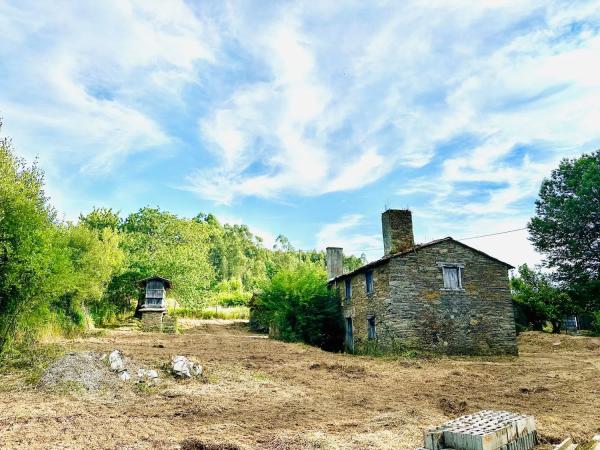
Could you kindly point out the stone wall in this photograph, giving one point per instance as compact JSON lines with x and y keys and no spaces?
{"x":169,"y":324}
{"x":152,"y":320}
{"x":396,"y":226}
{"x":478,"y":319}
{"x":363,"y":305}
{"x":413,"y":310}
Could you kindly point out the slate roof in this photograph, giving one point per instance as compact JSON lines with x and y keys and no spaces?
{"x":164,"y":280}
{"x":386,"y":258}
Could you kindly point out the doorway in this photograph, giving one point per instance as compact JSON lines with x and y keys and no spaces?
{"x":349,"y":335}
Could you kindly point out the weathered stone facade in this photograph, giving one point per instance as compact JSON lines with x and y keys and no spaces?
{"x":411,"y":308}
{"x":362,"y":306}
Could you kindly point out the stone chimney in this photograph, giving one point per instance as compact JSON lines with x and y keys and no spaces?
{"x":397,"y":230}
{"x":335,"y":262}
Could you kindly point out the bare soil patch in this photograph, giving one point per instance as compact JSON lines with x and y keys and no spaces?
{"x":263,"y":394}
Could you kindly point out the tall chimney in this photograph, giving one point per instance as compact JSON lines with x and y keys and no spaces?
{"x":335,"y":262}
{"x":397,"y":230}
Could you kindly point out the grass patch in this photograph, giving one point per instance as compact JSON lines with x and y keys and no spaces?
{"x":211,"y":378}
{"x":259,"y":376}
{"x":143,"y":388}
{"x":30,"y":360}
{"x":214,"y":312}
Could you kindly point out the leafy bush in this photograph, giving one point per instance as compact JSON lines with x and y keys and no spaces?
{"x":230,"y":293}
{"x":296,"y":305}
{"x":538,"y":300}
{"x":596,"y":323}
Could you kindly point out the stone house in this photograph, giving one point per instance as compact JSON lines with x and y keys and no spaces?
{"x":442,"y":296}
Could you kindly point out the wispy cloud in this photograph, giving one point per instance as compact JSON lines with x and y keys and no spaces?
{"x":456,"y":109}
{"x":348,"y":233}
{"x":350,"y":95}
{"x":83,"y":75}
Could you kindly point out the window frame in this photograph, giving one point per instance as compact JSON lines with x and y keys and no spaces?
{"x":369,"y":282}
{"x":347,"y":290}
{"x":371,"y":328}
{"x":460,"y":267}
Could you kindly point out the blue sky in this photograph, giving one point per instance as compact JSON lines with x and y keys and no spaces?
{"x":305,"y":118}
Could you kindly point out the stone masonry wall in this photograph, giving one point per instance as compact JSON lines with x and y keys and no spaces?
{"x":152,"y":320}
{"x":479,"y":319}
{"x":363,"y":305}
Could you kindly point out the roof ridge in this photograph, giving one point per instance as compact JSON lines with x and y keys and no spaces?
{"x":412,"y":249}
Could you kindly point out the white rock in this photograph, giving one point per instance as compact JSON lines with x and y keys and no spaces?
{"x":183,"y":367}
{"x":147,"y":373}
{"x":124,"y":375}
{"x":115,"y":360}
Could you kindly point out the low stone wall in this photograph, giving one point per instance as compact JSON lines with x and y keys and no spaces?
{"x":152,"y":321}
{"x":169,"y":324}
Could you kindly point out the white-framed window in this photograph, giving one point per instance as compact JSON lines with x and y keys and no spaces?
{"x":452,"y":274}
{"x":369,"y":281}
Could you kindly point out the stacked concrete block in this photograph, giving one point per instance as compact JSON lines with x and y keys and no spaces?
{"x":485,"y":430}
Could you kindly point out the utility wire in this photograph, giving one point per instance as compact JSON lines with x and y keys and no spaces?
{"x":492,"y":234}
{"x":461,"y":239}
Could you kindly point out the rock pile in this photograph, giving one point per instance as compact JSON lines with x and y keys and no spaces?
{"x":117,"y":364}
{"x":83,"y":368}
{"x":94,"y":371}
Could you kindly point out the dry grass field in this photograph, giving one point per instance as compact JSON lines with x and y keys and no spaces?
{"x":264,"y":394}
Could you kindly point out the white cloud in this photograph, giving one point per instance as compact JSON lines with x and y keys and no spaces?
{"x":352,"y":96}
{"x":311,"y":98}
{"x":80,"y":74}
{"x":347,"y":234}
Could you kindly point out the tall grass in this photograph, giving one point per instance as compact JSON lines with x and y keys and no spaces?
{"x":214,"y":312}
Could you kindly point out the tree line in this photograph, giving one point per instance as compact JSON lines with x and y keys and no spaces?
{"x":566,"y":230}
{"x":61,"y":277}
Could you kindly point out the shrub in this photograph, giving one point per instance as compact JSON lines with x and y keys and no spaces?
{"x":538,"y":300}
{"x":296,"y":305}
{"x":215,"y":312}
{"x":596,"y":323}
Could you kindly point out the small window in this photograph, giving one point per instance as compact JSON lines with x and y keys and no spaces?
{"x":452,"y":277}
{"x":372,"y":332}
{"x":348,"y":285}
{"x":369,"y":281}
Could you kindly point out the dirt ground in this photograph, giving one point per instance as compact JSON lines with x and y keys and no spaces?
{"x":263,"y":394}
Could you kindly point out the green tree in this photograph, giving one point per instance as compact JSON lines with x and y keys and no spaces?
{"x":297,"y":306}
{"x":95,"y":257}
{"x":30,"y":262}
{"x":566,"y":227}
{"x":160,"y":243}
{"x":540,"y":300}
{"x":352,"y":262}
{"x":100,"y":219}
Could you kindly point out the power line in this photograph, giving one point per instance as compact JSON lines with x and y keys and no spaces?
{"x":492,"y":234}
{"x":461,"y":239}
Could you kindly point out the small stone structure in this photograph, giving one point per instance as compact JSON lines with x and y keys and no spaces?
{"x":485,"y":430}
{"x":442,"y":296}
{"x":154,"y":306}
